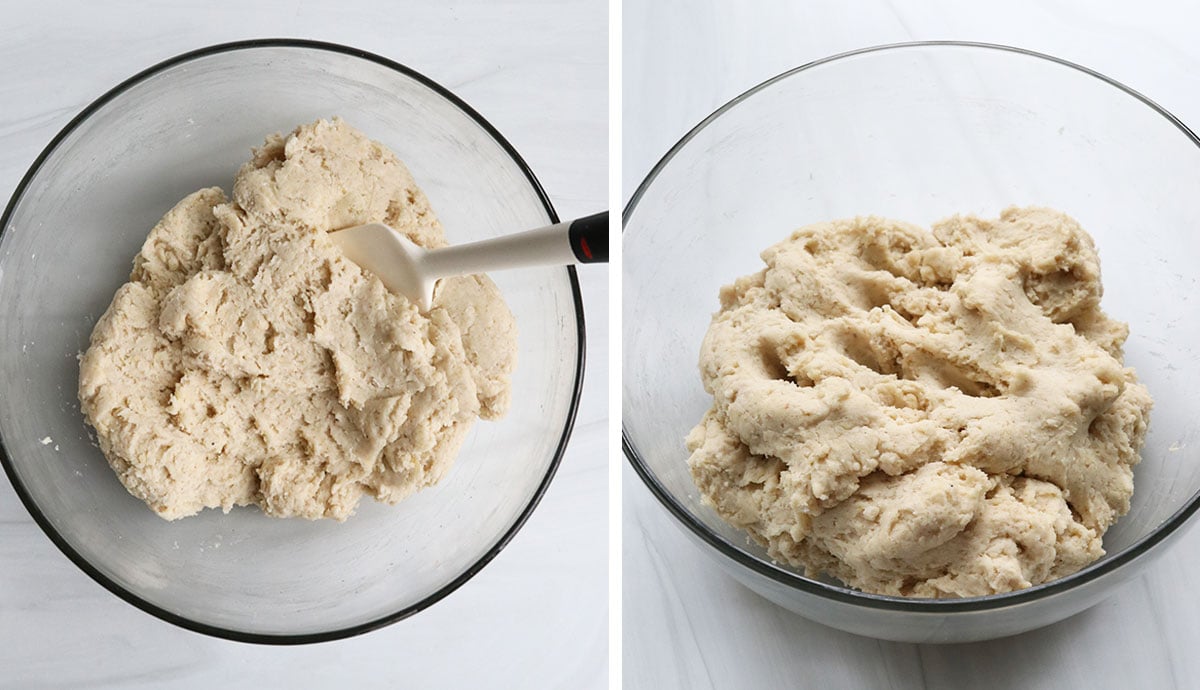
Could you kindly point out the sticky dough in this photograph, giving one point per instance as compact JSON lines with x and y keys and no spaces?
{"x":247,"y":361}
{"x":922,"y":413}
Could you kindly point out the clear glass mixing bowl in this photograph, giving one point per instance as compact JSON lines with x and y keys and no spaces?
{"x":69,"y":236}
{"x":920,"y":132}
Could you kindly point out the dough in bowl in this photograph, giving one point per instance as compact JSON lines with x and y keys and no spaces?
{"x":922,"y":413}
{"x":247,"y":361}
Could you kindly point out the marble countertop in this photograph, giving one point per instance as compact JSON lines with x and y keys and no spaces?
{"x":685,"y":623}
{"x":534,"y":617}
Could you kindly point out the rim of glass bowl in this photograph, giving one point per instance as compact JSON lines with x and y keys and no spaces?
{"x":845,"y":594}
{"x":488,"y":555}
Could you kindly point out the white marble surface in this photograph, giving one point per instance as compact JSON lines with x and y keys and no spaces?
{"x":687,"y":625}
{"x":533,"y":618}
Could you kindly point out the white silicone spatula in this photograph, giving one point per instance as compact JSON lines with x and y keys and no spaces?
{"x":410,"y":270}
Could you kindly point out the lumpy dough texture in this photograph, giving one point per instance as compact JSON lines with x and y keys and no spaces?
{"x":922,"y":413}
{"x":247,"y":361}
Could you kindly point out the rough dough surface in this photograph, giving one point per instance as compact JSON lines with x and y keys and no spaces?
{"x":922,"y":413}
{"x":247,"y":361}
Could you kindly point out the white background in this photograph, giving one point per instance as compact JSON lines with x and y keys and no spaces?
{"x":536,"y":616}
{"x":687,"y":625}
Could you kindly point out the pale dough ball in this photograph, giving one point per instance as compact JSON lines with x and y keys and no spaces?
{"x":247,"y":361}
{"x":922,"y":413}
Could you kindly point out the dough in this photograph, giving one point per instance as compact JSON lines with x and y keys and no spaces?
{"x":247,"y":361}
{"x":917,"y":413}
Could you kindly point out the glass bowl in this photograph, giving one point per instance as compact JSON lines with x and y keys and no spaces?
{"x":69,"y":235}
{"x":919,"y":132}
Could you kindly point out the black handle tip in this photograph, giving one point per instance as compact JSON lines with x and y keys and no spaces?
{"x":589,"y":238}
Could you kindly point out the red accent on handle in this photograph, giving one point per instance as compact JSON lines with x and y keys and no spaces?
{"x":587,"y":251}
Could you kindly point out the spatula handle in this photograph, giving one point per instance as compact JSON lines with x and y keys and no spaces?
{"x":579,"y":241}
